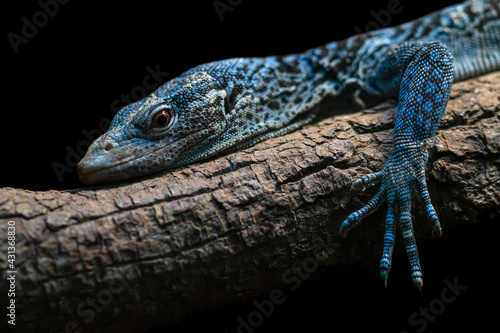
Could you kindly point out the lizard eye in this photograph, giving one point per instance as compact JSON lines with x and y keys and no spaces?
{"x":161,"y":118}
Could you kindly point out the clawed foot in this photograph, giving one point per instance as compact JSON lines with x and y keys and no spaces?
{"x":424,"y":89}
{"x":397,"y":180}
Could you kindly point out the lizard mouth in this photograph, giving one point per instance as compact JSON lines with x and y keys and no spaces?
{"x":107,"y":162}
{"x":89,"y":173}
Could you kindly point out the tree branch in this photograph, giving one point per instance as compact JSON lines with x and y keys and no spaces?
{"x":128,"y":257}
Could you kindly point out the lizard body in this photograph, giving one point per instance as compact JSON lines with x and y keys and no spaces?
{"x":233,"y":104}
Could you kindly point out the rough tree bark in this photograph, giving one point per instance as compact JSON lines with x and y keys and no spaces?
{"x":216,"y":234}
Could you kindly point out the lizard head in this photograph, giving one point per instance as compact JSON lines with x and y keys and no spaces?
{"x":153,"y":134}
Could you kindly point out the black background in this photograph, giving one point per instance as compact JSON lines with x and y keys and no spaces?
{"x":64,"y":80}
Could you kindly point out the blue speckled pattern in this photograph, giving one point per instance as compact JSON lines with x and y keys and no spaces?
{"x":232,"y":104}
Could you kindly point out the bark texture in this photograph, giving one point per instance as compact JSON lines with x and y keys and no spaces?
{"x":128,"y":257}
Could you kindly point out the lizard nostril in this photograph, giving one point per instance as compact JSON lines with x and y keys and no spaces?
{"x":109,"y":146}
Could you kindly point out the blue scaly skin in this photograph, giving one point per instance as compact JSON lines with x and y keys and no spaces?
{"x":233,"y":104}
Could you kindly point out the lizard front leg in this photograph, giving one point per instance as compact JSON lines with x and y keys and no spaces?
{"x":426,"y":79}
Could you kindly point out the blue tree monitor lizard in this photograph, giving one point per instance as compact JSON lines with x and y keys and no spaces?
{"x":232,"y":104}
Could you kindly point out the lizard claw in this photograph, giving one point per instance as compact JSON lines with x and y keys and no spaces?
{"x":361,"y":184}
{"x":384,"y":275}
{"x":366,"y":181}
{"x":418,"y":283}
{"x":437,"y":232}
{"x":397,"y":180}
